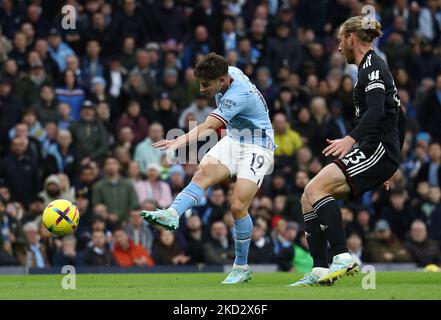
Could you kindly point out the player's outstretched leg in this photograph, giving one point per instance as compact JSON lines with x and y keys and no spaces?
{"x":169,"y":218}
{"x":243,"y":194}
{"x":209,"y":173}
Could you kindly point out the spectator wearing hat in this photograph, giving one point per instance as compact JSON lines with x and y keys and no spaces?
{"x":71,"y":93}
{"x":385,"y":247}
{"x":20,"y":172}
{"x":58,"y":50}
{"x":170,"y":84}
{"x":90,"y":138}
{"x":53,"y":190}
{"x":199,"y":108}
{"x":30,"y":86}
{"x":10,"y":111}
{"x":98,"y":93}
{"x":133,"y":119}
{"x":127,"y":253}
{"x":153,"y":187}
{"x":114,"y":191}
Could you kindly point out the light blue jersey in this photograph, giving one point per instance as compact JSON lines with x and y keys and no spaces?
{"x":243,"y":110}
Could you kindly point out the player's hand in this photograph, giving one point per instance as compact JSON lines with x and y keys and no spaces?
{"x":339,"y":147}
{"x":165,"y":144}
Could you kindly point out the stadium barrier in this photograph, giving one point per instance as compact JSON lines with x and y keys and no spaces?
{"x":182,"y":269}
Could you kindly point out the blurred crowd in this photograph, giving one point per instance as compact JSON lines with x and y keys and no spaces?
{"x":80,"y":109}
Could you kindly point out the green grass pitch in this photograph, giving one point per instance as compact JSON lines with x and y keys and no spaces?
{"x":206,"y":286}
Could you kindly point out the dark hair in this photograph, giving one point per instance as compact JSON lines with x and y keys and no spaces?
{"x":211,"y":67}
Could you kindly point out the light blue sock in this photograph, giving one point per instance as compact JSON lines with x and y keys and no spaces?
{"x":187,"y":198}
{"x":243,"y":229}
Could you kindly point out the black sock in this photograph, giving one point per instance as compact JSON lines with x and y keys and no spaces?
{"x":330,"y":220}
{"x":318,"y":245}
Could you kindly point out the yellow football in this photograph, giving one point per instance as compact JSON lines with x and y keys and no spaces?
{"x":61,"y":217}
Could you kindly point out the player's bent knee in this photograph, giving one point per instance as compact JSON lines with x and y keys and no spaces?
{"x":201,"y":177}
{"x":238,"y":209}
{"x":314,"y":191}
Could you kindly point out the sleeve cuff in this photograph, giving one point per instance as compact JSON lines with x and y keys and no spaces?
{"x":218,"y":117}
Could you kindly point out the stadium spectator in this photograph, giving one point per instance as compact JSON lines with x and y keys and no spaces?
{"x":423,"y":250}
{"x":33,"y":253}
{"x":153,"y":187}
{"x":288,"y":141}
{"x":194,"y":237}
{"x":385,"y":247}
{"x":114,"y":191}
{"x":166,"y":250}
{"x":199,"y":108}
{"x":52,"y":190}
{"x":215,"y":208}
{"x":68,"y":254}
{"x":145,"y":153}
{"x":127,"y":253}
{"x":219,"y":247}
{"x":139,"y":231}
{"x":46,"y":105}
{"x":20,"y":172}
{"x":399,"y":214}
{"x":89,"y":136}
{"x":355,"y":247}
{"x":71,"y":94}
{"x":58,"y":50}
{"x":99,"y":254}
{"x":261,"y":247}
{"x":133,"y":119}
{"x":62,"y":156}
{"x":431,"y":170}
{"x":9,"y":112}
{"x":428,"y":118}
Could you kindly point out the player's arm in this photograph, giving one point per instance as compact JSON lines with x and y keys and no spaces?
{"x":375,"y":97}
{"x":211,"y":124}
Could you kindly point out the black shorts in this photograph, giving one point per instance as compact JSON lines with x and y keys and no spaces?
{"x":366,"y":168}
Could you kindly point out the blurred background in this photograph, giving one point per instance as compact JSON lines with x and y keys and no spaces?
{"x":80,"y":109}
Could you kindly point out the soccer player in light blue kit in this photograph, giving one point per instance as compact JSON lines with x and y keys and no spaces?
{"x":247,"y":152}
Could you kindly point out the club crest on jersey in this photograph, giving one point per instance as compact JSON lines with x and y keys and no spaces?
{"x":374,"y":75}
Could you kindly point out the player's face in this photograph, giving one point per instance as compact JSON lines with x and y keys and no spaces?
{"x":211,"y":87}
{"x":345,"y":46}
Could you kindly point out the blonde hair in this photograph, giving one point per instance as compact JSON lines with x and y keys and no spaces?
{"x":366,"y":30}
